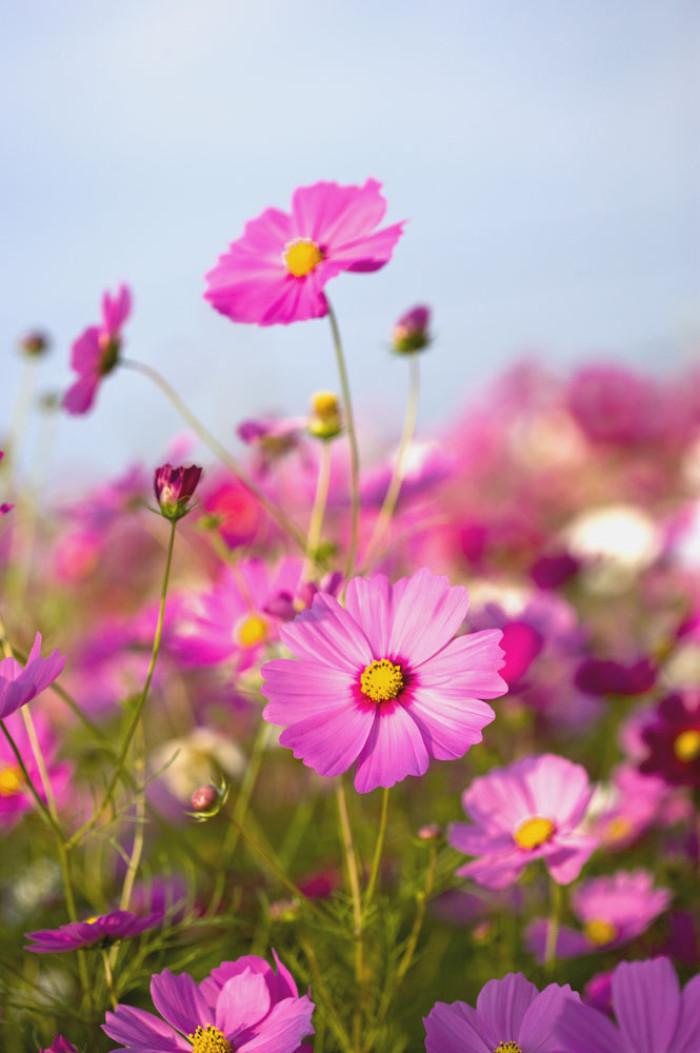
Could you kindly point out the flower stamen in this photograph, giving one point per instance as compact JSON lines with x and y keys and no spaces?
{"x":251,"y":631}
{"x":382,"y":681}
{"x":507,"y":1047}
{"x":599,"y":931}
{"x":209,"y":1039}
{"x":534,"y":832}
{"x":301,"y":257}
{"x":687,"y":745}
{"x":10,"y":780}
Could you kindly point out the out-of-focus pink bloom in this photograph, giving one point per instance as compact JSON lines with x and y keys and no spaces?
{"x":638,"y":803}
{"x":383,"y":682}
{"x":275,"y":272}
{"x":174,"y":488}
{"x":672,"y":740}
{"x":286,"y":605}
{"x":60,"y":1045}
{"x":533,"y":809}
{"x":103,"y":930}
{"x":613,"y":405}
{"x":426,"y":464}
{"x":19,"y":685}
{"x":272,"y":438}
{"x":552,"y":570}
{"x":234,"y":511}
{"x":410,"y":333}
{"x":599,"y":676}
{"x":96,"y":351}
{"x":612,"y":910}
{"x":511,"y":1016}
{"x":243,"y":1005}
{"x":598,"y":992}
{"x":16,"y":798}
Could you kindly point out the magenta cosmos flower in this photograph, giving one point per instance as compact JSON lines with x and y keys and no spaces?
{"x":511,"y":1016}
{"x":382,"y":681}
{"x":96,"y":351}
{"x":276,"y":271}
{"x":16,"y":799}
{"x":653,"y":1016}
{"x":102,"y":930}
{"x":244,"y":1006}
{"x":20,"y":684}
{"x":613,"y":910}
{"x":531,"y":810}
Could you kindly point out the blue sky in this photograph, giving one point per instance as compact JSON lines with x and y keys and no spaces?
{"x":547,"y":156}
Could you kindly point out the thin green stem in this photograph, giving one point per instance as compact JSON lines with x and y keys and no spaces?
{"x":374,"y":873}
{"x":217,"y":448}
{"x":313,"y":537}
{"x":27,"y":779}
{"x":138,"y":711}
{"x":109,"y":978}
{"x":392,"y":494}
{"x":354,"y":450}
{"x":550,"y":950}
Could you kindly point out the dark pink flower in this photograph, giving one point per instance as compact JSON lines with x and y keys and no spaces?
{"x":96,"y":351}
{"x":60,"y":1045}
{"x":102,"y":930}
{"x":175,"y":489}
{"x":672,"y":740}
{"x":275,"y":272}
{"x":19,"y":685}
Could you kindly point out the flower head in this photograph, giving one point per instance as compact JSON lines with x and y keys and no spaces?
{"x":382,"y":682}
{"x":511,"y":1016}
{"x":101,"y":930}
{"x":19,"y":685}
{"x":410,"y":333}
{"x":653,"y":1015}
{"x":275,"y":272}
{"x":175,"y":488}
{"x":96,"y":351}
{"x":242,"y":1005}
{"x":672,"y":740}
{"x":532,"y":809}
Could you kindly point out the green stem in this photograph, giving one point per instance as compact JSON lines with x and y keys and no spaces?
{"x":109,"y":978}
{"x":392,"y":494}
{"x":369,"y":893}
{"x":313,"y":538}
{"x":217,"y":448}
{"x":354,"y":451}
{"x":550,"y":951}
{"x":138,"y":711}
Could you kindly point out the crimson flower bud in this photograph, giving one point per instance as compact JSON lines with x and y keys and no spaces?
{"x":410,"y":334}
{"x":175,"y":488}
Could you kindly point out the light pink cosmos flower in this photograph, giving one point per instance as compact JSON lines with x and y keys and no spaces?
{"x":276,"y":271}
{"x":532,"y":809}
{"x":613,"y":910}
{"x":16,"y":799}
{"x":243,"y":1005}
{"x":19,"y":685}
{"x":382,"y":681}
{"x":96,"y":351}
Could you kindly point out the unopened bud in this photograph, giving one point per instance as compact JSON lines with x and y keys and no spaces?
{"x":410,"y":334}
{"x":175,"y":488}
{"x":284,"y":910}
{"x":208,"y":801}
{"x":325,"y":420}
{"x":431,"y":832}
{"x":34,"y":344}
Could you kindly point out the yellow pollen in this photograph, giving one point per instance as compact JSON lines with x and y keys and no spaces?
{"x":617,"y":829}
{"x":301,"y":257}
{"x":382,"y":681}
{"x":10,"y":781}
{"x":209,"y":1039}
{"x":534,"y":832}
{"x":687,"y":745}
{"x":92,"y":920}
{"x":600,"y":931}
{"x":252,"y":631}
{"x":508,"y":1047}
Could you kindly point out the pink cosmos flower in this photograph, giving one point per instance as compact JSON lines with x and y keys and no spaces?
{"x":382,"y":681}
{"x":612,"y":910}
{"x":276,"y":271}
{"x":96,"y":351}
{"x":243,"y":1005}
{"x":60,"y":1045}
{"x":16,"y":798}
{"x":19,"y":685}
{"x":118,"y":925}
{"x":653,"y":1015}
{"x":511,"y":1016}
{"x":532,"y":809}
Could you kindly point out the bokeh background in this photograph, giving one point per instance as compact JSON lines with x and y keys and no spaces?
{"x":547,"y":156}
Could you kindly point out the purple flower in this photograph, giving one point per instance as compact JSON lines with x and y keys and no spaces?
{"x":243,"y":1005}
{"x":511,"y":1016}
{"x":96,"y":351}
{"x":653,"y":1015}
{"x":410,"y":333}
{"x":60,"y":1045}
{"x":107,"y":927}
{"x":175,"y":488}
{"x":19,"y":685}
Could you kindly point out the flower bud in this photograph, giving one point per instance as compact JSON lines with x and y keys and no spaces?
{"x":325,"y":419}
{"x":208,"y":801}
{"x":410,"y":333}
{"x":431,"y":832}
{"x":174,"y":489}
{"x":34,"y":344}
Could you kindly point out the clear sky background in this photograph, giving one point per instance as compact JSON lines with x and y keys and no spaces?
{"x":547,"y":155}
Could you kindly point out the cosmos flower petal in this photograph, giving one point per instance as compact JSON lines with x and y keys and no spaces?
{"x":554,"y":778}
{"x":412,"y":633}
{"x":454,"y":1028}
{"x":80,"y":396}
{"x":329,"y":634}
{"x":449,"y":727}
{"x":179,"y":1001}
{"x":687,"y":1036}
{"x":288,"y":1023}
{"x":495,"y":871}
{"x":647,"y":1003}
{"x":138,"y":1029}
{"x":581,"y":1029}
{"x":243,"y":1001}
{"x":116,"y":309}
{"x":85,"y":351}
{"x":393,"y":750}
{"x":371,"y":253}
{"x":332,"y":215}
{"x":467,"y":666}
{"x":540,"y":1018}
{"x":330,"y":742}
{"x":304,"y":689}
{"x":504,"y":1003}
{"x":498,"y":801}
{"x":566,"y":861}
{"x":369,"y":601}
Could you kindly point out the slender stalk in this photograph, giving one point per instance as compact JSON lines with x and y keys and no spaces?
{"x":550,"y":950}
{"x":139,"y":834}
{"x":109,"y":978}
{"x":217,"y":448}
{"x":369,"y":892}
{"x":138,"y":711}
{"x":41,"y":765}
{"x":354,"y":450}
{"x":392,"y":494}
{"x":313,"y":537}
{"x":41,"y":805}
{"x":353,"y":877}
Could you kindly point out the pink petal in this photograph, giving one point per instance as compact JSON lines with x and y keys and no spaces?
{"x":499,"y":800}
{"x":116,"y":310}
{"x":427,"y":614}
{"x":300,"y":689}
{"x":504,"y":1004}
{"x":282,"y":1031}
{"x":467,"y":666}
{"x":179,"y":1001}
{"x":329,"y":742}
{"x":454,"y":1028}
{"x":393,"y":750}
{"x":138,"y":1029}
{"x":369,"y":601}
{"x":560,"y":789}
{"x":86,"y":352}
{"x":647,"y":1003}
{"x":541,"y":1017}
{"x":448,"y":727}
{"x":81,"y":395}
{"x":566,"y":856}
{"x":331,"y":215}
{"x":370,"y":253}
{"x":581,"y":1029}
{"x":243,"y":1001}
{"x":496,"y":871}
{"x":328,"y":634}
{"x":687,"y":1036}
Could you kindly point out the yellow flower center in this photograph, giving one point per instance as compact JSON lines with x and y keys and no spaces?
{"x":251,"y":631}
{"x":534,"y":832}
{"x":382,"y":681}
{"x":10,"y":781}
{"x":301,"y":257}
{"x":687,"y":745}
{"x":600,"y":931}
{"x":209,"y":1040}
{"x":617,"y":829}
{"x":92,"y":920}
{"x":507,"y":1047}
